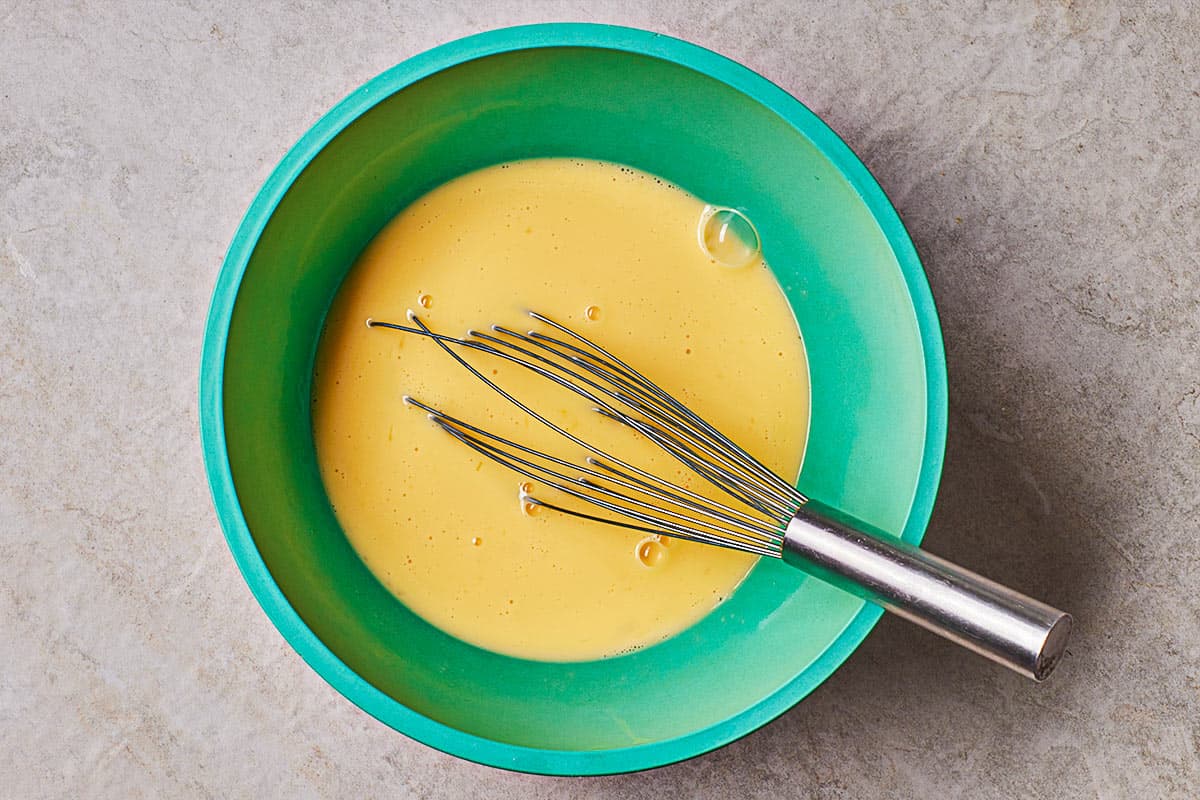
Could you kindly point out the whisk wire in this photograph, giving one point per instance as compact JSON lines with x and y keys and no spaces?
{"x":735,"y":480}
{"x":683,"y":411}
{"x":443,"y":341}
{"x":567,"y":485}
{"x":733,"y":485}
{"x":458,"y":428}
{"x":623,"y":395}
{"x":651,"y":405}
{"x":721,"y":479}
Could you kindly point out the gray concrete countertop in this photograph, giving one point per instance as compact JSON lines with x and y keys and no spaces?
{"x":1045,"y":159}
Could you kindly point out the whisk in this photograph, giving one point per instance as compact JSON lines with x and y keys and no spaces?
{"x":760,"y":512}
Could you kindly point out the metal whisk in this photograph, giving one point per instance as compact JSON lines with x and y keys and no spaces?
{"x":764,"y":514}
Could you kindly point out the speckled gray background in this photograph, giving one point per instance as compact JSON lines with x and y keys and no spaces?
{"x":1045,"y":157}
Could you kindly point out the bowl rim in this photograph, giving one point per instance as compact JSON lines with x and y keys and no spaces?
{"x":211,"y":412}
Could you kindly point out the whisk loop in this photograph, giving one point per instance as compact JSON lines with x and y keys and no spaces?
{"x":640,"y":500}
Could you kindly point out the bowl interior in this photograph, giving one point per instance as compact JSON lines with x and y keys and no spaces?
{"x":781,"y":633}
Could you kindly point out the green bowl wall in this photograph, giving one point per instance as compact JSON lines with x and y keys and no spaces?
{"x":703,"y":123}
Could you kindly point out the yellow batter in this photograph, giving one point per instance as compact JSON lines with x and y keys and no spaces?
{"x":615,"y":254}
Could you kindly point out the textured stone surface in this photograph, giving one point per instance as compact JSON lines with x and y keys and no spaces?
{"x":1044,"y":157}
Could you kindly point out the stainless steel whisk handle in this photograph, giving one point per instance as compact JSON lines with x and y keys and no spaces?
{"x":1019,"y":632}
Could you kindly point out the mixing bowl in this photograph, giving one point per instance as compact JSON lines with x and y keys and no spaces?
{"x":714,"y":128}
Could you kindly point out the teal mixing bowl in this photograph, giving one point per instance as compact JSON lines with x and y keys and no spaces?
{"x":664,"y":106}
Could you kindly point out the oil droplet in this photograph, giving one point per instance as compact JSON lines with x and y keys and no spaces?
{"x":728,"y":236}
{"x":477,"y":540}
{"x":665,"y":541}
{"x":529,"y":508}
{"x":592,"y":313}
{"x":525,"y":488}
{"x":425,"y":301}
{"x":650,"y":552}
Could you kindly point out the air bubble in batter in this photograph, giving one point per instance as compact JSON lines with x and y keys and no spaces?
{"x":728,"y":237}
